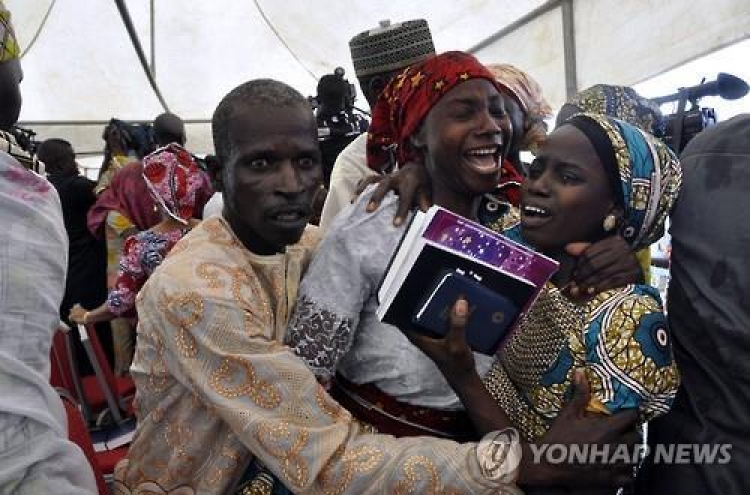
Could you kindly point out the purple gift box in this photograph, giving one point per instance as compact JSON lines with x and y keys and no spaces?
{"x":462,"y":235}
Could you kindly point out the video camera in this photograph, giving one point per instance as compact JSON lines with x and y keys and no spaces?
{"x":339,"y":121}
{"x":25,"y":139}
{"x":677,"y":129}
{"x":348,"y":89}
{"x":350,"y":94}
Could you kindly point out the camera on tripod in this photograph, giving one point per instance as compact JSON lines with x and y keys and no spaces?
{"x":339,"y":121}
{"x":350,"y":93}
{"x":334,"y":90}
{"x":334,"y":107}
{"x":677,"y":129}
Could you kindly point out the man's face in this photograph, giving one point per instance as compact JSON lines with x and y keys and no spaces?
{"x":271,"y":175}
{"x":373,"y":85}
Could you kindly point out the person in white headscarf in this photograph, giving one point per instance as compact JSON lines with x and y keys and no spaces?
{"x":35,"y":453}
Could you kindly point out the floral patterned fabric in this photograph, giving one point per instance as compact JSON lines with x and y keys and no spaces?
{"x":141,"y":254}
{"x":649,"y":176}
{"x":176,"y":183}
{"x":620,"y":102}
{"x":620,"y":339}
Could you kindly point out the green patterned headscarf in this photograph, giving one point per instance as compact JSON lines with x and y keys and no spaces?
{"x":9,"y":50}
{"x":650,"y":175}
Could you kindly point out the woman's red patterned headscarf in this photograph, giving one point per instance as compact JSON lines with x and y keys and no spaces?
{"x":409,"y":97}
{"x":175,"y":182}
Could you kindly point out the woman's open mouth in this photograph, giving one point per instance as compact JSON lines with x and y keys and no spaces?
{"x":485,"y":160}
{"x":533,"y":216}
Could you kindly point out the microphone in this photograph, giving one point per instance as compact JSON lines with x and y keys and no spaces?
{"x":727,"y":86}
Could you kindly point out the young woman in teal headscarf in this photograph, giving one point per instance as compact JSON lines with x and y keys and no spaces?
{"x":594,"y":177}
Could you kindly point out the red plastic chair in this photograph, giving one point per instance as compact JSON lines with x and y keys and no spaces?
{"x":102,"y":463}
{"x":64,"y":370}
{"x":104,"y":389}
{"x":60,"y":373}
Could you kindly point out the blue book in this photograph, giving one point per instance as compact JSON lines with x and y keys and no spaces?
{"x":491,"y":314}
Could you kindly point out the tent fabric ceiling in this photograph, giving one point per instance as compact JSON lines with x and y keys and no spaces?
{"x":82,"y":66}
{"x":620,"y":42}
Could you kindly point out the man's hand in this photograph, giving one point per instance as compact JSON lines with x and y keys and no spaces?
{"x":575,"y":426}
{"x":605,"y":265}
{"x":410,"y":182}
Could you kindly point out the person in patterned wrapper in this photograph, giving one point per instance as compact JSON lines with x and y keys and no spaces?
{"x":594,"y":177}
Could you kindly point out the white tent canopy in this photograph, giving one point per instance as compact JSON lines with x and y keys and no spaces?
{"x":81,"y":68}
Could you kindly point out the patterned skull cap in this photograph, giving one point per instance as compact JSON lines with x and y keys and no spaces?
{"x":391,"y":47}
{"x":9,"y":49}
